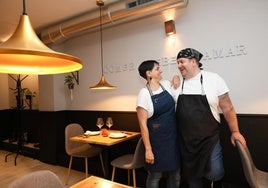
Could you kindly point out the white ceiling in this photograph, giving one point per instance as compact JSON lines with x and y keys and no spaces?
{"x":42,"y":13}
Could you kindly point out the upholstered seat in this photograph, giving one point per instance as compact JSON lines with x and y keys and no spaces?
{"x":130,"y":162}
{"x":255,"y":177}
{"x":38,"y":179}
{"x":78,"y":149}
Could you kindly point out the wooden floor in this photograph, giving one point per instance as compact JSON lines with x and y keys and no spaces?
{"x":9,"y":172}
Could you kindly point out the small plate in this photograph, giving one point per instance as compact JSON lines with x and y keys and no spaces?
{"x":117,"y":135}
{"x":91,"y":133}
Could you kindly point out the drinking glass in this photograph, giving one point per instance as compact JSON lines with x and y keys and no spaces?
{"x":109,"y":122}
{"x":100,"y":123}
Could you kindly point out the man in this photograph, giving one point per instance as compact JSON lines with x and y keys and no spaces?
{"x":202,"y":94}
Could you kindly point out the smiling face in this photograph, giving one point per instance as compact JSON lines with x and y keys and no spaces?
{"x":155,"y":73}
{"x":188,"y":67}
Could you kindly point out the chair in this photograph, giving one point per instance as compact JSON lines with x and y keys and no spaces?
{"x":78,"y":149}
{"x":255,"y":177}
{"x":130,"y":162}
{"x":38,"y":179}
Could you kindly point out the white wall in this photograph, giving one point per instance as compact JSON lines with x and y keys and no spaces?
{"x":231,"y":34}
{"x":125,"y":47}
{"x":238,"y":29}
{"x":47,"y":100}
{"x":4,"y":93}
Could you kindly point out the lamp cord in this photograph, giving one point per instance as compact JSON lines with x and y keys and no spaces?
{"x":24,"y":8}
{"x":101,"y":40}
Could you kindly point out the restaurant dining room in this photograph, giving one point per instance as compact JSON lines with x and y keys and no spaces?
{"x":70,"y":80}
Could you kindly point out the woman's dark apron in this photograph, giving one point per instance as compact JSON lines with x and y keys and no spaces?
{"x":163,"y":133}
{"x":199,"y":132}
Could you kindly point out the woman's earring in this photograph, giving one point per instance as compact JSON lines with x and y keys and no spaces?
{"x":150,"y":78}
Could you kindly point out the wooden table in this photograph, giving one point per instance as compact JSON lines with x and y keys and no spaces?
{"x":106,"y":142}
{"x":96,"y":182}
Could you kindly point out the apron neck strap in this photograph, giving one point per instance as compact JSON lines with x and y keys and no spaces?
{"x":201,"y":81}
{"x":149,"y":88}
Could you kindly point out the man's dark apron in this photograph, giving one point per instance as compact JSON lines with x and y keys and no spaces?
{"x":199,"y":132}
{"x":163,"y":133}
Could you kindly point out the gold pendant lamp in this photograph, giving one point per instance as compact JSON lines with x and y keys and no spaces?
{"x":24,"y":53}
{"x":103,"y":84}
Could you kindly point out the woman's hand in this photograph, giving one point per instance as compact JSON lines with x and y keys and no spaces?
{"x":175,"y":82}
{"x":149,"y":156}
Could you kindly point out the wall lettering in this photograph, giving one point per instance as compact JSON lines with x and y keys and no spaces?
{"x":166,"y":61}
{"x":221,"y":53}
{"x":119,"y":68}
{"x":213,"y":54}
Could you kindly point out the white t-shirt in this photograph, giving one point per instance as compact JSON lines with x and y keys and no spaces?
{"x":214,"y":86}
{"x":144,"y":98}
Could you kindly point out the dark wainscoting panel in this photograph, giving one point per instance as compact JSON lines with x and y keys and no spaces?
{"x":5,"y":125}
{"x":122,"y":120}
{"x":255,"y":130}
{"x":14,"y":122}
{"x":52,"y":128}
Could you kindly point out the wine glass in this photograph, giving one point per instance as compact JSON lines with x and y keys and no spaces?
{"x":100,"y":123}
{"x":109,"y":122}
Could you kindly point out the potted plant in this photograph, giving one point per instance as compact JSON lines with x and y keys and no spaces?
{"x":29,"y":96}
{"x":69,"y":81}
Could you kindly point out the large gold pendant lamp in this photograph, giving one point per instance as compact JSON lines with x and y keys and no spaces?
{"x":24,"y":53}
{"x":103,"y":84}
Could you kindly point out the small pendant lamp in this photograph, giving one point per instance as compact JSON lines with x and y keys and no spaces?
{"x":103,"y":84}
{"x":24,"y":53}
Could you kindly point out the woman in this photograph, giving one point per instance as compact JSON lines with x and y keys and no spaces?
{"x":157,"y":121}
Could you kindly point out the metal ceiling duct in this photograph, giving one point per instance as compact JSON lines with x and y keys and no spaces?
{"x":116,"y":13}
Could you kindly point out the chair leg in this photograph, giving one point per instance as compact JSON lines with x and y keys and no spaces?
{"x":128,"y":177}
{"x":113,"y":173}
{"x":86,"y":167}
{"x":69,"y":169}
{"x":102,"y":165}
{"x":134,"y":177}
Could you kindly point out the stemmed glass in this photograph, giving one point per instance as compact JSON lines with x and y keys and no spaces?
{"x":100,"y":123}
{"x":109,"y":122}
